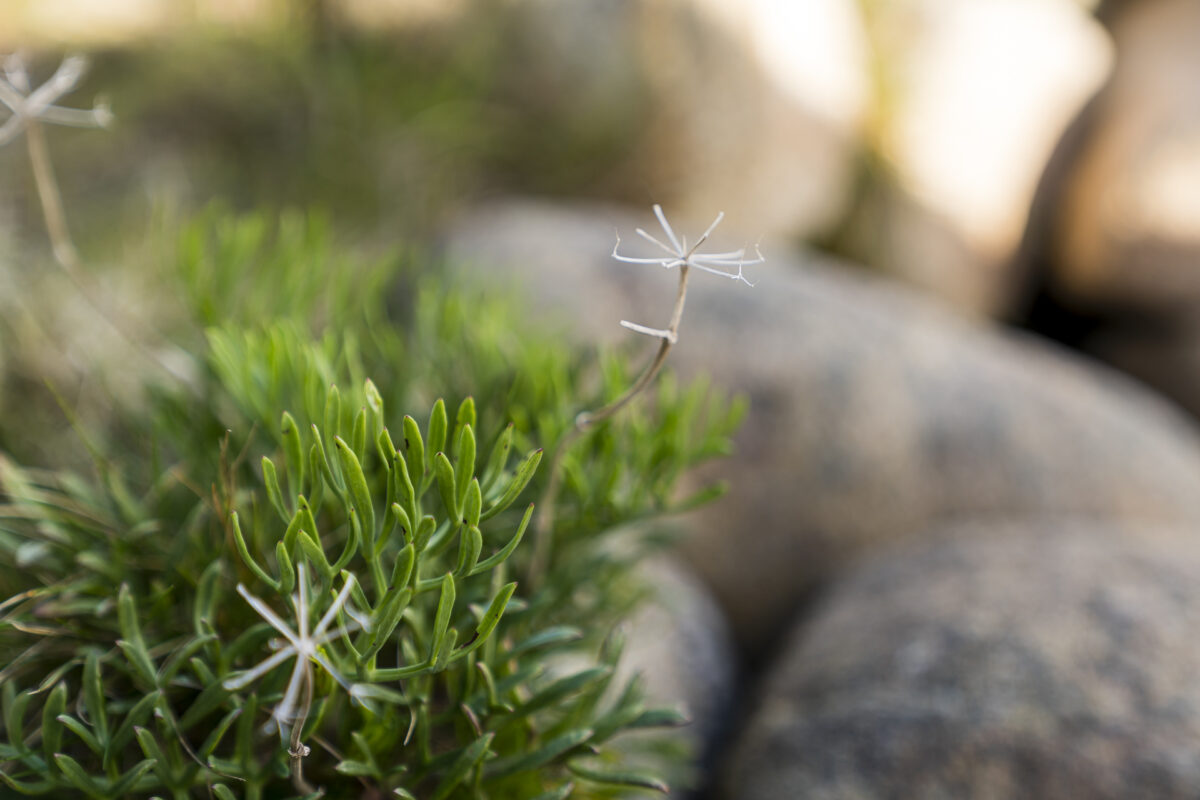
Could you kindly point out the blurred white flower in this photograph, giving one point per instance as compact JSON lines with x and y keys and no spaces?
{"x":303,"y":646}
{"x":38,"y":104}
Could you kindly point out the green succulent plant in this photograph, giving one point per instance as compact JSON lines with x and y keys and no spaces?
{"x":275,"y":585}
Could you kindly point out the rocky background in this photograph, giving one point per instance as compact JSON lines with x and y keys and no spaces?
{"x":957,"y":559}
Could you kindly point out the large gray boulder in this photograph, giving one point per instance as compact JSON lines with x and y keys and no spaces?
{"x":1048,"y":658}
{"x":874,"y":414}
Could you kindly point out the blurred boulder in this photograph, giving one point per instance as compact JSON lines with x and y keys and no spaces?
{"x":679,"y":643}
{"x":1127,"y":226}
{"x":757,"y":108}
{"x":1048,"y":658}
{"x":973,"y":98}
{"x":1114,"y":239}
{"x":874,"y":413}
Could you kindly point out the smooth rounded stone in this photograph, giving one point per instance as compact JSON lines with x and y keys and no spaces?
{"x":679,"y":642}
{"x":759,"y":106}
{"x":873,"y":411}
{"x":1127,"y":230}
{"x":1048,"y":658}
{"x":678,"y":645}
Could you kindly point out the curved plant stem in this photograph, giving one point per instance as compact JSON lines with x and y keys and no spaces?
{"x":297,"y":749}
{"x":543,"y":532}
{"x":60,"y":238}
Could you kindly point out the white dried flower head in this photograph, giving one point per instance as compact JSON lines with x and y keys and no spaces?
{"x":678,"y":252}
{"x":301,"y":645}
{"x":679,"y":255}
{"x":28,"y":105}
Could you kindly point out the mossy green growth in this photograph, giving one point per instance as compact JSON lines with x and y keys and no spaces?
{"x":286,"y":585}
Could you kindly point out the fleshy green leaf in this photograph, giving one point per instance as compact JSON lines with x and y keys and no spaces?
{"x":358,"y":434}
{"x":469,"y":545}
{"x":122,"y":785}
{"x":77,"y":776}
{"x":271,"y":482}
{"x":502,"y":555}
{"x":543,"y":755}
{"x":470,"y":757}
{"x":357,"y":483}
{"x":93,"y":691}
{"x":497,"y":459}
{"x":491,"y":617}
{"x":287,"y":574}
{"x":52,"y":729}
{"x":446,"y":486}
{"x":519,"y":481}
{"x":244,"y":551}
{"x":441,"y":621}
{"x":464,"y":466}
{"x":293,"y":454}
{"x":414,"y":449}
{"x":614,"y":777}
{"x":472,"y":503}
{"x":131,"y":642}
{"x":436,"y":440}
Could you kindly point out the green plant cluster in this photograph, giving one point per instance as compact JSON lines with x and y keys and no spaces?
{"x":273,"y":585}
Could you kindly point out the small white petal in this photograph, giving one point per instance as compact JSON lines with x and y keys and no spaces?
{"x":270,"y":616}
{"x":650,"y":238}
{"x":285,"y":712}
{"x":704,"y":237}
{"x":658,"y":333}
{"x":324,"y":661}
{"x":664,"y":262}
{"x":17,"y":72}
{"x":737,"y":276}
{"x":361,"y":620}
{"x":76,"y":117}
{"x":62,"y":81}
{"x":301,"y":602}
{"x":9,"y":130}
{"x":251,"y":675}
{"x":725,"y":262}
{"x":666,"y":226}
{"x":12,"y":98}
{"x":731,"y":254}
{"x":337,"y":605}
{"x":336,"y":633}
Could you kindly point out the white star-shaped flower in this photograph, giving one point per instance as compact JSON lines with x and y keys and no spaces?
{"x":303,"y":646}
{"x":679,"y":254}
{"x":38,"y":104}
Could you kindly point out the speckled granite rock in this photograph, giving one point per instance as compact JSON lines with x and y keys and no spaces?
{"x":1047,"y":659}
{"x":874,"y":413}
{"x":680,"y":643}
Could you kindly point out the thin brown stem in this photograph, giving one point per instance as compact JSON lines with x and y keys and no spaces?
{"x":60,"y":237}
{"x":51,"y":200}
{"x":297,"y":750}
{"x":543,"y":532}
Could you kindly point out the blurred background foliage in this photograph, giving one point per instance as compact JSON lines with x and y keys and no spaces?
{"x":946,"y":143}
